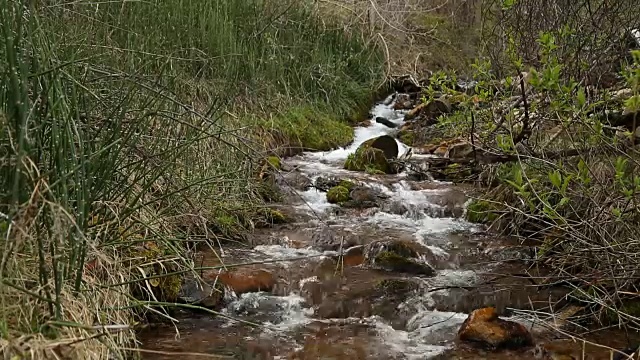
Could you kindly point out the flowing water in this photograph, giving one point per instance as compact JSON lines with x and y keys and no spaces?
{"x":326,"y":307}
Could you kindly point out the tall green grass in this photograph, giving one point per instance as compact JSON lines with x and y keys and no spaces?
{"x":118,"y":150}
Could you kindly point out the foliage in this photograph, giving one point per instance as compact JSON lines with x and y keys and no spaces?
{"x":572,"y":181}
{"x":591,"y":36}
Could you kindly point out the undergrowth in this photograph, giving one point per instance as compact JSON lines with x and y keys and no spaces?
{"x":131,"y":132}
{"x":560,"y":153}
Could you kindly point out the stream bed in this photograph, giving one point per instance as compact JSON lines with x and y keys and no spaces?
{"x":322,"y":306}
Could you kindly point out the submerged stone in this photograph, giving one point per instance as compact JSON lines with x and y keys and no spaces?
{"x":399,"y":256}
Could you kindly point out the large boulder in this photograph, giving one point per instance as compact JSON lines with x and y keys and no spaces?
{"x":484,"y":327}
{"x":374,"y":155}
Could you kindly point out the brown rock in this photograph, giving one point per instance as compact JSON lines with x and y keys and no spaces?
{"x":244,"y":280}
{"x":430,"y":110}
{"x":483,"y":326}
{"x":441,"y":151}
{"x":354,"y":256}
{"x":428,"y":149}
{"x":460,"y":150}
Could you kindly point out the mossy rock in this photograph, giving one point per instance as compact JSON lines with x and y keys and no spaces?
{"x":347,"y":184}
{"x":392,"y":261}
{"x":407,"y":137}
{"x":374,"y":155}
{"x":267,"y":217}
{"x":275,"y":162}
{"x":338,"y":195}
{"x":481,"y":211}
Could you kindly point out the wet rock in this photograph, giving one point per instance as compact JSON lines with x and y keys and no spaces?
{"x":389,"y":99}
{"x":430,"y":110}
{"x":326,"y":183}
{"x":374,"y":155}
{"x":245,"y":280}
{"x":403,"y":102}
{"x":294,"y":180}
{"x":460,"y":150}
{"x":361,"y":197}
{"x":326,"y":239}
{"x":379,"y":297}
{"x":399,"y":256}
{"x":198,"y":292}
{"x":386,"y":122}
{"x":387,"y":144}
{"x":483,"y":326}
{"x":395,"y":207}
{"x":363,"y":193}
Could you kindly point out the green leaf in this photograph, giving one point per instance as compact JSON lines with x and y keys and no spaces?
{"x":556,"y":179}
{"x":581,"y":97}
{"x":616,"y":212}
{"x":632,"y":104}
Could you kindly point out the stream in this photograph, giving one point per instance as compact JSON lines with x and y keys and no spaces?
{"x":319,"y":305}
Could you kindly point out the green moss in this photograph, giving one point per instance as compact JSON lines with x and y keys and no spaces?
{"x":395,"y":286}
{"x":274,"y":161}
{"x":227,"y":224}
{"x":481,"y":211}
{"x":311,"y":128}
{"x":169,"y":287}
{"x":407,"y":137}
{"x":366,"y":157}
{"x":338,"y":195}
{"x":347,"y":184}
{"x":373,"y":171}
{"x":457,"y":172}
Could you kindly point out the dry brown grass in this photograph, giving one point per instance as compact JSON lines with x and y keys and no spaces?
{"x":419,"y":35}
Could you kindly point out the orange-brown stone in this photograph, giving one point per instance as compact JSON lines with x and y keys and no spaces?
{"x":244,"y":280}
{"x":483,"y":326}
{"x":441,"y":150}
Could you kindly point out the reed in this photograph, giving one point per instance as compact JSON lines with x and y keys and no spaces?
{"x":118,"y":151}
